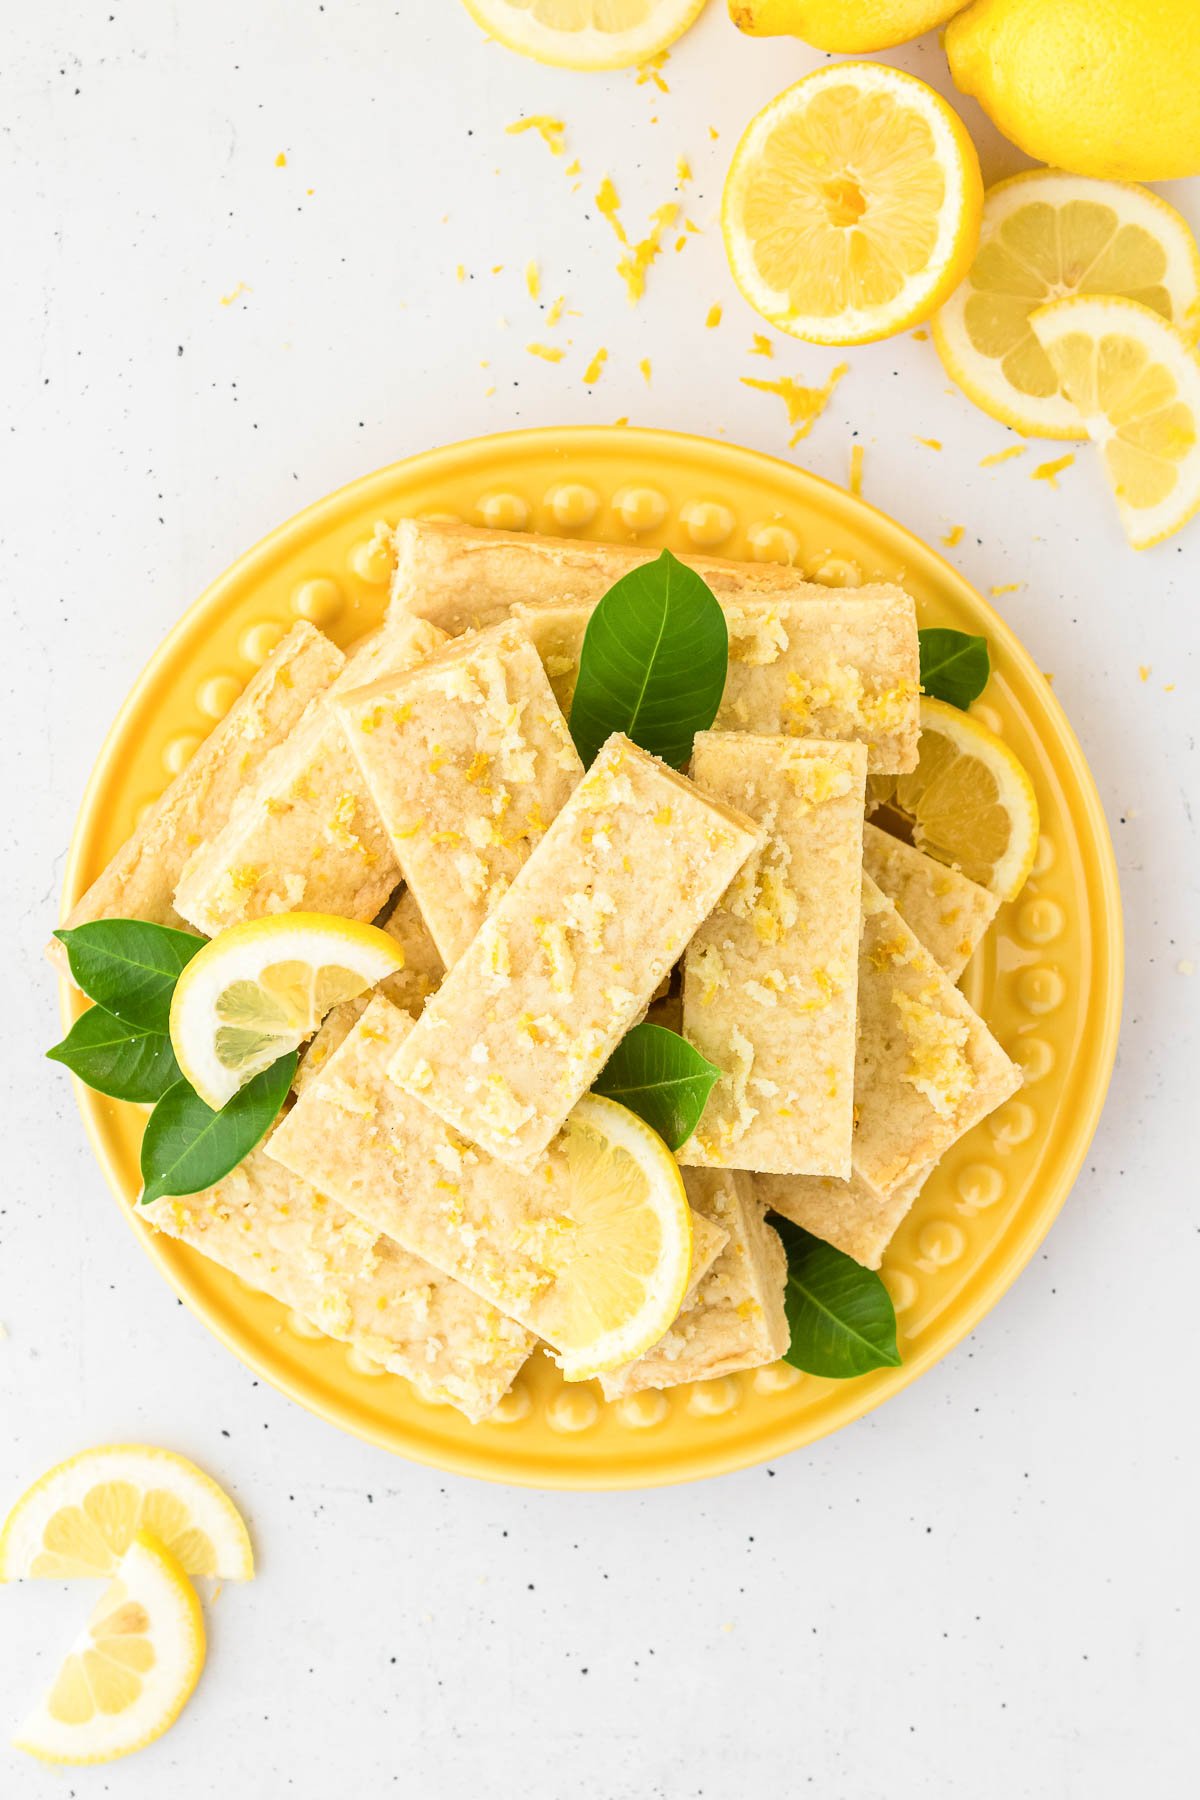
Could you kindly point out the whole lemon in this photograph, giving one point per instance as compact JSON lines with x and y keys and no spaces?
{"x":1099,"y":87}
{"x":851,"y":26}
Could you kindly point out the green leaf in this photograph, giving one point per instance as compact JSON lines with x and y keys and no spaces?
{"x":841,"y":1315}
{"x":188,"y":1146}
{"x":653,"y":664}
{"x":657,"y":1074}
{"x":116,"y":1058}
{"x":130,"y":967}
{"x":954,"y":667}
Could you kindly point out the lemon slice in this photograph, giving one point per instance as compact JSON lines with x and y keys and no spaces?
{"x":131,"y":1670}
{"x":852,"y":205}
{"x":260,"y":988}
{"x":625,"y":1256}
{"x":968,"y":802}
{"x":1136,"y":383}
{"x":586,"y":34}
{"x":81,"y":1517}
{"x":1047,"y":235}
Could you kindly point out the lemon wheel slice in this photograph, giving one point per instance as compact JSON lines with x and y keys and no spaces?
{"x":968,"y":802}
{"x":81,"y":1517}
{"x":626,"y":1253}
{"x":1046,"y":236}
{"x":852,"y":205}
{"x":260,"y":988}
{"x":1136,"y":383}
{"x":586,"y":34}
{"x":131,"y":1670}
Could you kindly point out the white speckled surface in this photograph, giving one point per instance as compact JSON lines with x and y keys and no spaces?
{"x":985,"y":1590}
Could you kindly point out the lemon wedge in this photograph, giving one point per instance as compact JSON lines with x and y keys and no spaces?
{"x":80,"y":1518}
{"x":260,"y":988}
{"x":852,"y":205}
{"x":968,"y":802}
{"x":1045,"y":236}
{"x":131,"y":1670}
{"x":626,"y":1255}
{"x":586,"y":34}
{"x":1136,"y":384}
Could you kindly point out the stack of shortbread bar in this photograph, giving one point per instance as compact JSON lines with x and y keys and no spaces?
{"x":428,"y":779}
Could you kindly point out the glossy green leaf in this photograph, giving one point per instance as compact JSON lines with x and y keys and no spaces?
{"x":653,"y":664}
{"x":116,"y":1058}
{"x":954,"y":666}
{"x":841,"y":1316}
{"x":130,"y":967}
{"x":659,"y":1076}
{"x":188,"y":1146}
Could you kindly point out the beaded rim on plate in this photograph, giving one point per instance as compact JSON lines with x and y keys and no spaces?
{"x":1048,"y":981}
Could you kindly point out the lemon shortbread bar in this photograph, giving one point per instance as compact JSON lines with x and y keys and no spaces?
{"x":275,"y":1232}
{"x":926,"y":1071}
{"x":468,"y":759}
{"x":464,"y":577}
{"x":140,"y":881}
{"x":821,"y":665}
{"x":947,"y":910}
{"x":305,"y":836}
{"x":734,"y":1317}
{"x":770,"y":978}
{"x":569,"y":959}
{"x":512,"y":1236}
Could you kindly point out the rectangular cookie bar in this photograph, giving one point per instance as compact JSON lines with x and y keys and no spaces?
{"x":771,"y":977}
{"x":305,"y":835}
{"x":467,"y":759}
{"x":569,"y":959}
{"x":281,"y":1236}
{"x":140,"y":881}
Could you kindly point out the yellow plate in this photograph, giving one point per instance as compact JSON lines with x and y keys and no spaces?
{"x":1048,"y":980}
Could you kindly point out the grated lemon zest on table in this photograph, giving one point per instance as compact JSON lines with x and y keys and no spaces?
{"x":921,"y":336}
{"x":857,"y":455}
{"x":556,"y":309}
{"x":533,"y":279}
{"x":553,"y":132}
{"x":762,"y":346}
{"x":804,"y":404}
{"x":929,"y":443}
{"x":460,"y":273}
{"x":646,"y":370}
{"x":714,"y":316}
{"x":550,"y":353}
{"x":1005,"y":587}
{"x":954,"y":536}
{"x":1050,"y":471}
{"x":683,"y":170}
{"x":243,"y":287}
{"x":1145,"y":670}
{"x":1002,"y":456}
{"x":281,"y":161}
{"x":608,"y":205}
{"x":651,"y":69}
{"x":592,"y":373}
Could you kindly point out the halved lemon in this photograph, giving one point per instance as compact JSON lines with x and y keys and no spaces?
{"x":625,"y":1255}
{"x":852,"y":205}
{"x":968,"y":802}
{"x":1136,"y":384}
{"x":80,"y":1518}
{"x":260,"y":988}
{"x":586,"y":34}
{"x":131,"y":1670}
{"x":1047,"y":235}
